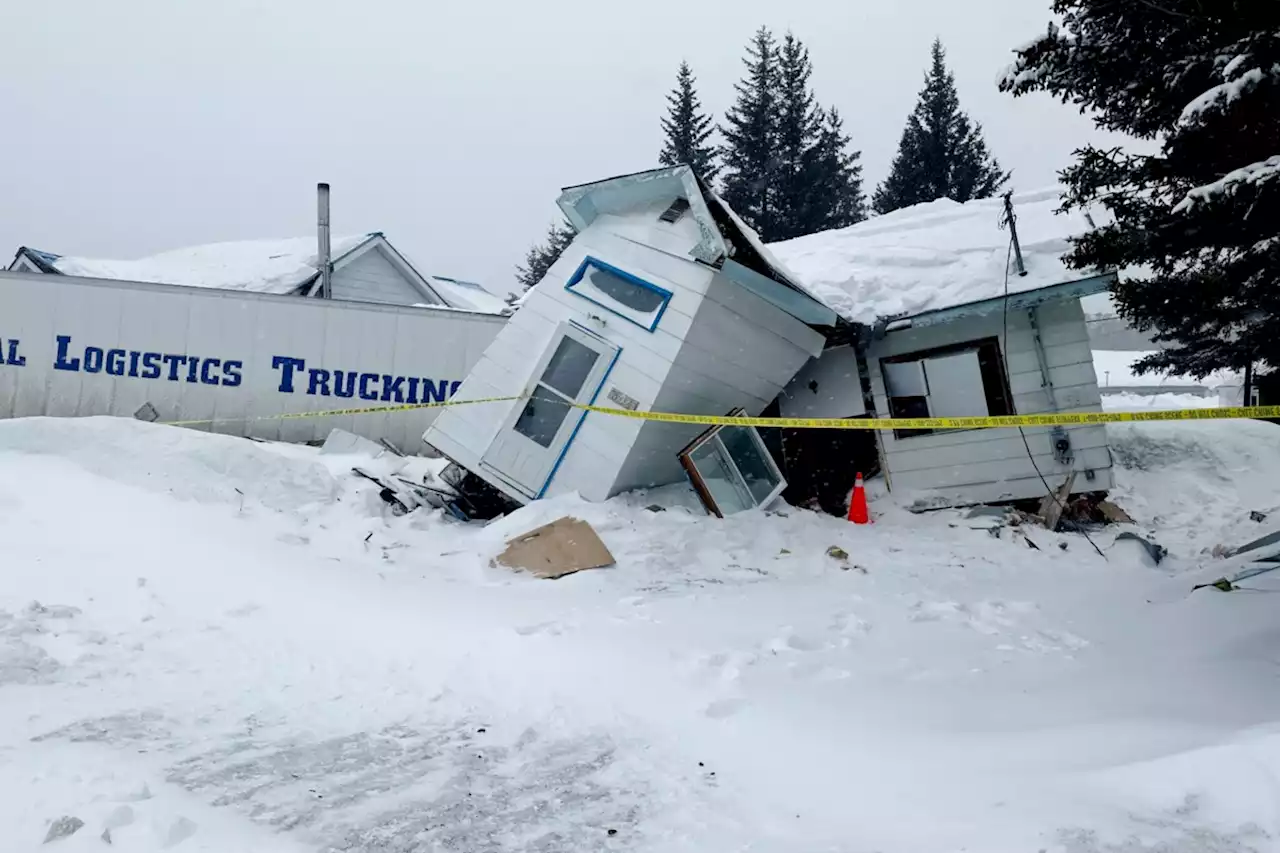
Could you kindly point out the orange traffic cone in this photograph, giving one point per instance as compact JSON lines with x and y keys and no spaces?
{"x":858,"y":503}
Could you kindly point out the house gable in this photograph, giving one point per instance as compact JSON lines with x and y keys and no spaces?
{"x":375,"y":272}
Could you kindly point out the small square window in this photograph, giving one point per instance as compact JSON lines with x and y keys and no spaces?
{"x":630,"y":297}
{"x":968,"y":380}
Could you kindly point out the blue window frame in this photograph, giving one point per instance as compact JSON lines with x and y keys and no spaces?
{"x":619,"y":292}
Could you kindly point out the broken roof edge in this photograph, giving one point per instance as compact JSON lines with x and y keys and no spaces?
{"x":580,"y":209}
{"x":1075,"y":289}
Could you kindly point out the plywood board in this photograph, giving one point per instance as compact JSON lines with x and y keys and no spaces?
{"x":564,"y":546}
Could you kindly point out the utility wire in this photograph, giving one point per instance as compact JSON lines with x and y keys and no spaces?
{"x":1010,"y":219}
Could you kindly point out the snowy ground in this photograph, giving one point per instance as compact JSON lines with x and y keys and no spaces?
{"x":235,"y":648}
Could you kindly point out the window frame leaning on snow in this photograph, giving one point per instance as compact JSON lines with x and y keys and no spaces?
{"x":582,"y":284}
{"x":910,"y":371}
{"x":711,"y":444}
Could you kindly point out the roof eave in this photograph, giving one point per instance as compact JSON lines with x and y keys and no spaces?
{"x":1024,"y":300}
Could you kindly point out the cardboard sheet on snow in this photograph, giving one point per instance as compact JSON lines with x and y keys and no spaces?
{"x":563,"y":547}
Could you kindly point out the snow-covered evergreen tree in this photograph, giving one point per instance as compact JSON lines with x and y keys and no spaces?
{"x":541,"y":256}
{"x":750,"y":132}
{"x":687,"y":129}
{"x":1197,"y":225}
{"x":942,"y":152}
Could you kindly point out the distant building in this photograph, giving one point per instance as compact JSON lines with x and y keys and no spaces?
{"x":366,"y":268}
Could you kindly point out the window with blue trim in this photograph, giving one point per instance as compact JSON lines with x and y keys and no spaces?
{"x":630,"y":297}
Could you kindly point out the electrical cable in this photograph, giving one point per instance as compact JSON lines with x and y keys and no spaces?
{"x":1004,"y":345}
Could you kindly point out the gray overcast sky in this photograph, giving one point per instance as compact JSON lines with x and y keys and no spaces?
{"x":134,"y":126}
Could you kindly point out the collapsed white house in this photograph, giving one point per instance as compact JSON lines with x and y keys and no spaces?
{"x":667,"y":302}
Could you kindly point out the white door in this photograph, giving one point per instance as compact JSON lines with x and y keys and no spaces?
{"x":534,"y":438}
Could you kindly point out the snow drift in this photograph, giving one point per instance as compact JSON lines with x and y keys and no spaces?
{"x":301,"y":670}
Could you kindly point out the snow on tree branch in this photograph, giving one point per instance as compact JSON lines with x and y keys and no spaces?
{"x":1255,"y":173}
{"x":1224,"y":94}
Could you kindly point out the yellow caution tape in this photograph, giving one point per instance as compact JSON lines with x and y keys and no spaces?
{"x":331,"y":413}
{"x":1056,"y":419}
{"x":997,"y":422}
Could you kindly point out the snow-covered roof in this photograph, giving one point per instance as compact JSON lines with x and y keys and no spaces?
{"x":933,"y":256}
{"x":257,"y":266}
{"x":468,"y":294}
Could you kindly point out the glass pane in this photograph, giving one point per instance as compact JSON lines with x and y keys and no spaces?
{"x":569,"y":367}
{"x":904,"y":378}
{"x":955,"y":386}
{"x":542,"y":416}
{"x":712,"y":464}
{"x":749,"y":456}
{"x":628,"y":293}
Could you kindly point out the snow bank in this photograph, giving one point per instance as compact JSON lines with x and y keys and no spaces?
{"x":934,"y":255}
{"x":258,"y":266}
{"x":1115,"y":370}
{"x":1124,"y":402}
{"x":1193,"y":485}
{"x":196,"y":677}
{"x":180,"y":463}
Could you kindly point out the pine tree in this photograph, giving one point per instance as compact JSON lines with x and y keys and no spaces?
{"x":788,"y":168}
{"x":832,"y":178}
{"x":541,"y":256}
{"x":1197,"y":225}
{"x":942,"y":153}
{"x":796,"y":128}
{"x":750,"y":132}
{"x":687,"y":129}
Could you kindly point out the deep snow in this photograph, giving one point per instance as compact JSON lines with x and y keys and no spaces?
{"x":935,"y":255}
{"x":236,"y":647}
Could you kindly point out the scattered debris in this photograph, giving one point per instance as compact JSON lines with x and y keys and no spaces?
{"x":1062,"y":546}
{"x":837,"y":553}
{"x":783,"y":552}
{"x":147,"y":412}
{"x":1153,"y":552}
{"x":63,"y":827}
{"x":1257,"y":516}
{"x":613,"y":832}
{"x":656,"y":508}
{"x":563,"y":547}
{"x":1266,"y":541}
{"x":1052,"y":507}
{"x":389,"y":446}
{"x":1113,"y":513}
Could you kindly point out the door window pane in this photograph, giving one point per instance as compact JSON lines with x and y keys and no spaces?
{"x":717,"y":474}
{"x":569,"y":367}
{"x":748,"y":455}
{"x":542,"y":416}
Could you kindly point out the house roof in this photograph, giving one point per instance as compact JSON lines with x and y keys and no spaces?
{"x":256,"y":266}
{"x":468,"y":294}
{"x":936,"y":256}
{"x":726,"y":242}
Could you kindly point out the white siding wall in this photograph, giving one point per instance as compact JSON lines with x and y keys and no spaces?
{"x":599,"y":448}
{"x":717,"y":346}
{"x":741,"y":351}
{"x":992,"y":464}
{"x":371,"y":277}
{"x":226,"y":335}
